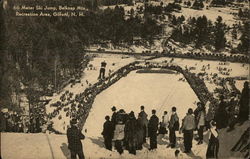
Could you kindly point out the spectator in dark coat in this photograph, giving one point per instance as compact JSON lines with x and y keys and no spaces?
{"x":234,"y":101}
{"x":200,"y":114}
{"x":113,"y":118}
{"x":173,"y":126}
{"x":152,"y":130}
{"x":221,"y":116}
{"x":213,"y":145}
{"x":75,"y":136}
{"x":244,"y":104}
{"x":188,"y":127}
{"x":131,"y":134}
{"x":144,"y":119}
{"x":108,"y":133}
{"x":140,"y":133}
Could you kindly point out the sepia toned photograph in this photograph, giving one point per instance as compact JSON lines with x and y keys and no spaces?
{"x":124,"y":79}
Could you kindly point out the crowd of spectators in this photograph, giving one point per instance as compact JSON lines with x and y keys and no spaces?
{"x":13,"y":121}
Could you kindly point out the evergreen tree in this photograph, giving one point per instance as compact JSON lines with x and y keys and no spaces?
{"x":219,"y":34}
{"x":201,"y":31}
{"x":240,"y":13}
{"x":234,"y":34}
{"x":174,"y":20}
{"x":198,"y":4}
{"x":243,"y":47}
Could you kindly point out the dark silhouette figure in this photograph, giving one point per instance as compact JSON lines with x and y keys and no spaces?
{"x":152,"y":130}
{"x":221,"y":115}
{"x":173,"y":126}
{"x":244,"y":104}
{"x":144,"y":121}
{"x":102,"y":70}
{"x":108,"y":133}
{"x":131,"y":133}
{"x":213,"y":145}
{"x":75,"y":136}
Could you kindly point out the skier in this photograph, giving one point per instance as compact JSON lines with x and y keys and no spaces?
{"x":102,"y":70}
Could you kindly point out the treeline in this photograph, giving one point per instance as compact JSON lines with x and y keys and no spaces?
{"x":39,"y":54}
{"x":160,"y":9}
{"x":202,"y":32}
{"x":110,"y":25}
{"x":244,"y":13}
{"x":115,"y":2}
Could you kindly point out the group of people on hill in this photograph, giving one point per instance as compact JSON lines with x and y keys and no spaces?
{"x":172,"y":52}
{"x":17,"y":122}
{"x":230,"y":113}
{"x":130,"y":133}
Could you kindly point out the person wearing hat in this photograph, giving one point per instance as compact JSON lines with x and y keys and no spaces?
{"x":75,"y":136}
{"x":114,"y":117}
{"x":108,"y":133}
{"x":173,"y":126}
{"x":200,"y":114}
{"x":144,"y":119}
{"x":152,"y":130}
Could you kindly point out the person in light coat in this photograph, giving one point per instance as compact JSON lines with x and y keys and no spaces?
{"x":119,"y":136}
{"x":187,"y":128}
{"x":164,"y":124}
{"x":165,"y":121}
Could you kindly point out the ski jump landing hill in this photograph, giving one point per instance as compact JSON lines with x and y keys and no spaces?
{"x":88,"y":96}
